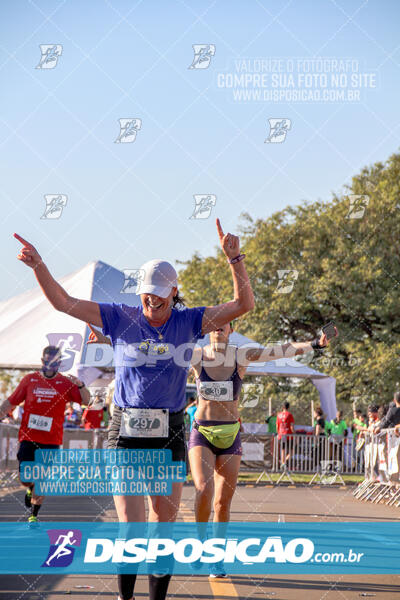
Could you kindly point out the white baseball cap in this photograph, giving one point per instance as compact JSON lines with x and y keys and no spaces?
{"x":159,"y":277}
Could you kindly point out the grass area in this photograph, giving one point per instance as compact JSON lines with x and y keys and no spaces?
{"x":251,"y":477}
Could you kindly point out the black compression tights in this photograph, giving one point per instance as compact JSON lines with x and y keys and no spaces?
{"x":158,"y":586}
{"x":126,"y":585}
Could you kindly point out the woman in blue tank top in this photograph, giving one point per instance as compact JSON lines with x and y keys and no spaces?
{"x":214,"y":444}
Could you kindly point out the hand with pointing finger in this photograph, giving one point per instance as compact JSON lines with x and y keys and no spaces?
{"x":96,"y":336}
{"x":28,"y":253}
{"x":229,"y":243}
{"x":323,"y":341}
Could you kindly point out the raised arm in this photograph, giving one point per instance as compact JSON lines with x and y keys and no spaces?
{"x":85,"y":310}
{"x":384,"y":423}
{"x":83,"y":391}
{"x":360,"y":428}
{"x":264,"y":354}
{"x":243,"y":299}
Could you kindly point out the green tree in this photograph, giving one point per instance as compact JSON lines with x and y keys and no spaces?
{"x":344,"y":252}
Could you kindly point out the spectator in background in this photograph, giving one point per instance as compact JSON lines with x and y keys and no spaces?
{"x":93,"y":414}
{"x":271,"y":428}
{"x":72,"y":417}
{"x":319,"y":431}
{"x":271,"y":422}
{"x":382,"y":410}
{"x":358,"y":424}
{"x":337,"y":432}
{"x":284,"y":424}
{"x":191,"y":410}
{"x":392,"y":417}
{"x":319,"y":421}
{"x":373,"y":420}
{"x":337,"y":426}
{"x":92,"y":417}
{"x":373,"y":416}
{"x":368,"y":422}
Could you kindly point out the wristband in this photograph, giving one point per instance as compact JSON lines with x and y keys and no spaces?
{"x":315,"y":345}
{"x":233,"y":261}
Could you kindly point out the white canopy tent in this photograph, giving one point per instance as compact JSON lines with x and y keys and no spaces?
{"x":28,"y":323}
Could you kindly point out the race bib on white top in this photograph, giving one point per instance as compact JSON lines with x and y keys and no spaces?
{"x":40,"y":422}
{"x":144,"y":422}
{"x":217,"y":390}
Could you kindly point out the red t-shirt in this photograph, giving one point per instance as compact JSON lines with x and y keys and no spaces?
{"x":283,"y":421}
{"x":44,"y":407}
{"x":93,"y":418}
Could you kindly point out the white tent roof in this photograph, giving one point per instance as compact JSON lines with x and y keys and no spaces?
{"x":27,"y":319}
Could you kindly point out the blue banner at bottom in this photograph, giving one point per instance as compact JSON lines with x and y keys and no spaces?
{"x":198,"y":548}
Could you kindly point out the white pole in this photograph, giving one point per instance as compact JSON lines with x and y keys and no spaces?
{"x":312,"y":412}
{"x":269,"y":406}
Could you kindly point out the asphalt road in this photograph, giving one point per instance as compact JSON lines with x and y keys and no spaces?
{"x":263,"y":503}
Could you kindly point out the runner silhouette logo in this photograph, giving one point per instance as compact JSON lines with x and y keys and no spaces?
{"x":62,"y":547}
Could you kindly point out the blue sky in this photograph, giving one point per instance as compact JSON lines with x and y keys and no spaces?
{"x":130,"y":202}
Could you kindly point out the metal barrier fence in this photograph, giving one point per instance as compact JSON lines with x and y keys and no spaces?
{"x":73,"y":438}
{"x":382,"y":473}
{"x":265,"y":454}
{"x":8,"y":447}
{"x":301,"y":453}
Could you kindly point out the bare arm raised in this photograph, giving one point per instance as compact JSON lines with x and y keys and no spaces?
{"x":243,"y":300}
{"x":85,"y":310}
{"x":267,"y":353}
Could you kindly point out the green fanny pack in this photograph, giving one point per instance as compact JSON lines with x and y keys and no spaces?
{"x":221,"y":436}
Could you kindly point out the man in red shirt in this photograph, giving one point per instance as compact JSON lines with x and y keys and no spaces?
{"x":284,"y":425}
{"x":45,"y":394}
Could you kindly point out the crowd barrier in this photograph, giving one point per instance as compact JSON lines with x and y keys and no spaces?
{"x":73,"y":438}
{"x":382,"y":478}
{"x":265,"y":454}
{"x":312,"y":454}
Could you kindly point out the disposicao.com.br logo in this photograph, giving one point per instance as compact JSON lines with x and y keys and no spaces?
{"x":62,"y":547}
{"x":181,"y":547}
{"x":190,"y":550}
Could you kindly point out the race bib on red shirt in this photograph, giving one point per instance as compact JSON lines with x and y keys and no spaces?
{"x":40,"y":422}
